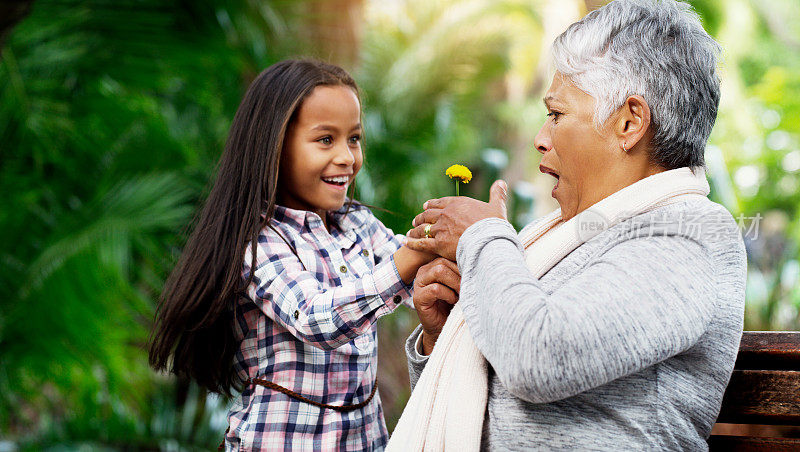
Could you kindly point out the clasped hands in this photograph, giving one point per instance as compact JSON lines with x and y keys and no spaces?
{"x":437,"y":231}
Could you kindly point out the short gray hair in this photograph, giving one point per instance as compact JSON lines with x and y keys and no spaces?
{"x":654,"y":48}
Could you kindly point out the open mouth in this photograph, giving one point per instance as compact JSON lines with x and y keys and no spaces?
{"x":338,"y":181}
{"x":551,"y":172}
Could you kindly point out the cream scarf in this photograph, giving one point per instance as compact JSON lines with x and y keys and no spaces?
{"x":446,"y":409}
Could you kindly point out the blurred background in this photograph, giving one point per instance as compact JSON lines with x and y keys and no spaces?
{"x":113,"y":114}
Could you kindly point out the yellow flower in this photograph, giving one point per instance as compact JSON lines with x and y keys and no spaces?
{"x":460,"y":172}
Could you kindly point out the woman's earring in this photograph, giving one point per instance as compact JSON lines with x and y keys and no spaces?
{"x":623,"y":147}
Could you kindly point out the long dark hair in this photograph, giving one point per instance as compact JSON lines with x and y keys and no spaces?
{"x":193,"y":334}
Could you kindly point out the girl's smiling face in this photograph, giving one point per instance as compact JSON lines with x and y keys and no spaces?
{"x":322,"y":151}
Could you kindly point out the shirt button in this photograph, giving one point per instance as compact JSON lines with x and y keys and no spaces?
{"x":296,"y":314}
{"x":365,"y":253}
{"x":343,"y":269}
{"x":397,"y":299}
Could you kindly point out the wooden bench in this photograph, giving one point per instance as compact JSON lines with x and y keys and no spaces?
{"x":764,"y":391}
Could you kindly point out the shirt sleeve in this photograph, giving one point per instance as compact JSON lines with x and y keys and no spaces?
{"x":642,"y":301}
{"x":325,"y":318}
{"x":384,"y":244}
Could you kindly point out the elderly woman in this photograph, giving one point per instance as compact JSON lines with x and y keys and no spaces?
{"x":614,"y":322}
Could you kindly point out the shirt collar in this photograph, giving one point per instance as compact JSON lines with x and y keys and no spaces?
{"x":344,"y":220}
{"x":350,"y":218}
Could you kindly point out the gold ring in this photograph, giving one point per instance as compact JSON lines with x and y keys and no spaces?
{"x":427,"y":231}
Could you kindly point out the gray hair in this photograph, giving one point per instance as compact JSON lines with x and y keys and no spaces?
{"x":654,"y":48}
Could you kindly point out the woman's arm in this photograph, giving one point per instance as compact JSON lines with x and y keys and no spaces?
{"x":436,"y":290}
{"x":643,"y":301}
{"x":415,"y":357}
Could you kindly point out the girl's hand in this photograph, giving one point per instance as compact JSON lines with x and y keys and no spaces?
{"x":449,"y":217}
{"x":436,"y":290}
{"x":408,"y":262}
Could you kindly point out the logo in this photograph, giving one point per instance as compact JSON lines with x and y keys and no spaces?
{"x":589,"y":223}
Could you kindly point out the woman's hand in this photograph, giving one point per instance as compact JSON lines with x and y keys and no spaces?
{"x":447,"y":218}
{"x":436,"y":290}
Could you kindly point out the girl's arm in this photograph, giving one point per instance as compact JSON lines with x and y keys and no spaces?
{"x":386,"y":243}
{"x":409,"y":261}
{"x":326,"y":318}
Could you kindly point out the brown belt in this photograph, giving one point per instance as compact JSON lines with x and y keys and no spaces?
{"x":294,"y":395}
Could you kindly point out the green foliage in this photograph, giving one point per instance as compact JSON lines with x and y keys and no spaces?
{"x":758,"y":134}
{"x":114,"y":113}
{"x":427,"y":83}
{"x":113,"y":116}
{"x":711,"y":13}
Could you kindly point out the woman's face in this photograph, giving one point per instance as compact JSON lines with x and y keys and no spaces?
{"x":586,"y":163}
{"x":322,"y":151}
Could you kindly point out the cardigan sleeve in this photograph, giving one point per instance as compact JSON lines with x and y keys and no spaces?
{"x":416,"y":360}
{"x":641,"y":301}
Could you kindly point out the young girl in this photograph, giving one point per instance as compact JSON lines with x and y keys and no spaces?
{"x":280,"y":284}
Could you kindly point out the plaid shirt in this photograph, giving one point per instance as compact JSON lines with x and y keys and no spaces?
{"x":309,"y":325}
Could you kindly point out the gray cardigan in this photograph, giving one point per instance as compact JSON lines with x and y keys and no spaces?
{"x":626,"y":344}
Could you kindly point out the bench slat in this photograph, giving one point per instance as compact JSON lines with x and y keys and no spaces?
{"x":760,"y":350}
{"x":750,"y":444}
{"x":762,"y":397}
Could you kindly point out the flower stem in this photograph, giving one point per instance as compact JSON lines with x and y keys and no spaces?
{"x":456,"y":187}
